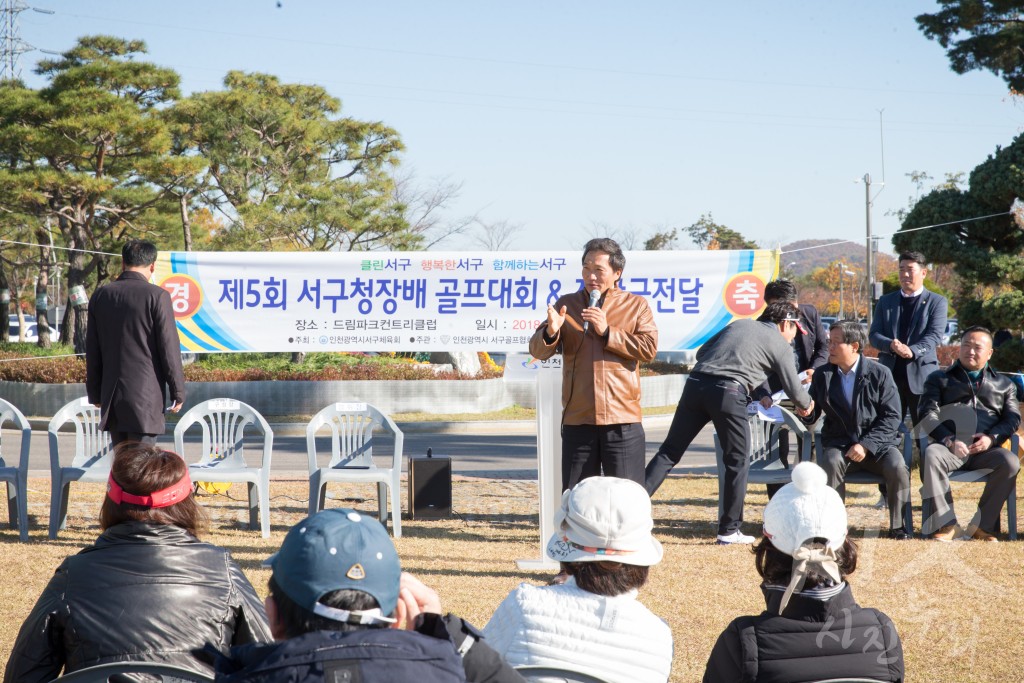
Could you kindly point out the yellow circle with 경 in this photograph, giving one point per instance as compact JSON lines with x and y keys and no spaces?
{"x":186,"y":294}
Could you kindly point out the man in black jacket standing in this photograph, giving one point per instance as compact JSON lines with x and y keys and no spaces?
{"x":970,"y":411}
{"x":862,"y":418}
{"x":132,"y":350}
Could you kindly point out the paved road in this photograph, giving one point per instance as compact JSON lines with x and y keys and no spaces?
{"x":485,"y":450}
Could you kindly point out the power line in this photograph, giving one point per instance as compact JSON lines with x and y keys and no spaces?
{"x":836,"y":123}
{"x":900,"y":232}
{"x":192,"y":29}
{"x":789,"y":251}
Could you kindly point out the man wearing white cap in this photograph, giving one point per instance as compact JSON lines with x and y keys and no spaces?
{"x":811,"y":627}
{"x":593,"y":623}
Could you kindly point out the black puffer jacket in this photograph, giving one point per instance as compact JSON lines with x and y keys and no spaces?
{"x":817,"y":639}
{"x":143,"y":591}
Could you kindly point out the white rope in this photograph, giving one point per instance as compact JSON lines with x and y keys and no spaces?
{"x":63,"y":355}
{"x":54,"y":246}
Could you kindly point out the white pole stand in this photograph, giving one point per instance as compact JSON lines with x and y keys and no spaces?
{"x":549,"y":460}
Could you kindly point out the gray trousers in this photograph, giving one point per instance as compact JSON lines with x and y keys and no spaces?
{"x":939,"y":461}
{"x":889,"y":465}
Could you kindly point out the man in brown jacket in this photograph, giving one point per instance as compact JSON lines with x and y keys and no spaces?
{"x":132,"y":350}
{"x":603,"y":334}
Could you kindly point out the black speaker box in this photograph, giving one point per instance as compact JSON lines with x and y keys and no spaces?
{"x":430,"y":487}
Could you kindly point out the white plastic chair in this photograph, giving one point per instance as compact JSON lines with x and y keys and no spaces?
{"x":351,"y":426}
{"x":555,"y":674}
{"x":16,"y":475}
{"x":121,"y":671}
{"x":223,"y":422}
{"x":91,"y":462}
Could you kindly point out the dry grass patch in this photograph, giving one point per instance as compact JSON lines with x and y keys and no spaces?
{"x":952,"y":603}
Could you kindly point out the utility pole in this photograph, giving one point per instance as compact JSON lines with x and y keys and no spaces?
{"x":869,"y":260}
{"x":842,"y":270}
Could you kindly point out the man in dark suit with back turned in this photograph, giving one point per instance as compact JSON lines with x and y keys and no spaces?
{"x":810,"y":346}
{"x":132,"y":350}
{"x":907,"y":327}
{"x":810,"y":352}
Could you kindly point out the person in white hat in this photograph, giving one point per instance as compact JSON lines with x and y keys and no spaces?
{"x":811,"y":628}
{"x":593,"y":623}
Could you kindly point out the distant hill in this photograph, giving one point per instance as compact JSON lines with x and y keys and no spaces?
{"x":808,"y":259}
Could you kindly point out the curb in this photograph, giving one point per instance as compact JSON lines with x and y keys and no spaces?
{"x":514,"y":427}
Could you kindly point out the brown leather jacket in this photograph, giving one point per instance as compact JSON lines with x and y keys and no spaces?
{"x":601,"y":375}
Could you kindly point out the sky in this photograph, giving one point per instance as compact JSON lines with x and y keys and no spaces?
{"x":576,"y":118}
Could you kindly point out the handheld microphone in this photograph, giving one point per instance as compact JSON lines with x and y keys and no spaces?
{"x":595,"y":296}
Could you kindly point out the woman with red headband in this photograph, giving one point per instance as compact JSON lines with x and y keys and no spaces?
{"x":147,"y":590}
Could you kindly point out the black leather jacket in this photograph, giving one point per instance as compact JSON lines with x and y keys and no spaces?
{"x":142,"y":591}
{"x":993,"y":399}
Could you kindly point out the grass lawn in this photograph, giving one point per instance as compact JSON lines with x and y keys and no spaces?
{"x":953,"y":604}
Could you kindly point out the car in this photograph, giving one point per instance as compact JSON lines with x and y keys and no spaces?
{"x":686,"y":357}
{"x":952,"y":331}
{"x":31,"y":329}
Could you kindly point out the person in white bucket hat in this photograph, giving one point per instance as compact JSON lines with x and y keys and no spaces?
{"x":811,"y":628}
{"x":593,"y":623}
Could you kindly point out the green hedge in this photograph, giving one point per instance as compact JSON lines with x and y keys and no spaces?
{"x":29,"y":363}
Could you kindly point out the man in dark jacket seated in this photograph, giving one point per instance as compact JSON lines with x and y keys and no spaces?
{"x":811,"y":628}
{"x":970,"y":411}
{"x":342,"y":610}
{"x":862,"y":419}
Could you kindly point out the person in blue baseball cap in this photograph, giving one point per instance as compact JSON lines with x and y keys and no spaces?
{"x":340,"y":608}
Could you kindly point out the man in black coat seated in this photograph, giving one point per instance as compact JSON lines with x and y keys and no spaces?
{"x":862,"y":418}
{"x":970,"y":411}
